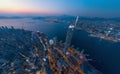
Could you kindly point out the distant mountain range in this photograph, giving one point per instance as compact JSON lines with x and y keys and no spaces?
{"x":62,"y":17}
{"x":11,"y":17}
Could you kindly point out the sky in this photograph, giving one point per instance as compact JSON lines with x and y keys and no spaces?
{"x":101,"y":8}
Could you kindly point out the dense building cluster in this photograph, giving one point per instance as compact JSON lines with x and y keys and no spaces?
{"x":17,"y":52}
{"x":26,"y":52}
{"x":108,"y":30}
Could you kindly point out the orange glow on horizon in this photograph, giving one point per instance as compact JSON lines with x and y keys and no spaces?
{"x":25,"y":11}
{"x":13,"y":6}
{"x":17,"y":9}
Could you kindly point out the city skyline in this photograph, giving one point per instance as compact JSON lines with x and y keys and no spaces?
{"x":99,"y":8}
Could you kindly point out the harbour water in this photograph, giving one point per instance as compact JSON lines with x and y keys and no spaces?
{"x":105,"y":54}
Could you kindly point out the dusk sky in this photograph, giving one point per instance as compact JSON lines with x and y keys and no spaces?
{"x":106,"y":8}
